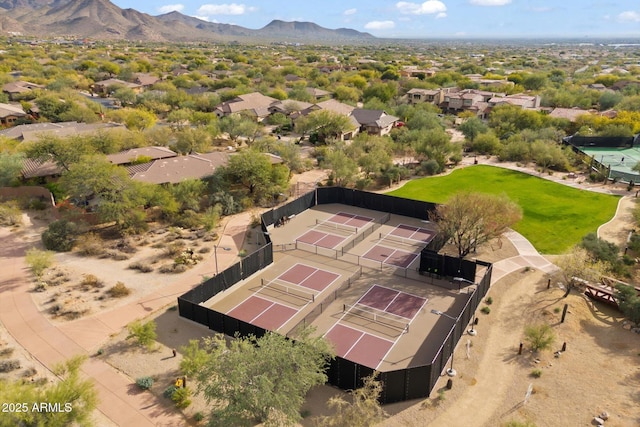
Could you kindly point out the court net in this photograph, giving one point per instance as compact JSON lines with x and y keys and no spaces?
{"x":292,"y":290}
{"x":404,"y":241}
{"x":386,"y":319}
{"x":336,"y":226}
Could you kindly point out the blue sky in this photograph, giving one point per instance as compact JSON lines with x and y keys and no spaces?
{"x":428,"y":19}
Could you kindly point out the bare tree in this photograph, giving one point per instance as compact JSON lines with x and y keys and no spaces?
{"x":579,"y":267}
{"x":469,"y":220}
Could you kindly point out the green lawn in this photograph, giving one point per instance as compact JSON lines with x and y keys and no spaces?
{"x":556,"y":216}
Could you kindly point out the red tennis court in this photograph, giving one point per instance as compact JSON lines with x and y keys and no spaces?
{"x":391,"y":301}
{"x":358,"y":346}
{"x":319,"y":238}
{"x":391,"y":256}
{"x":264,"y":313}
{"x":350,"y":219}
{"x":413,"y":233}
{"x":309,"y":277}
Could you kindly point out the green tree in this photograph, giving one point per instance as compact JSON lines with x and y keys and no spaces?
{"x":534,"y":81}
{"x":38,"y":261}
{"x":470,"y":220}
{"x":579,"y":266}
{"x":540,"y":337}
{"x":10,"y":167}
{"x":236,"y":126}
{"x":361,"y":410}
{"x":133,"y":118}
{"x":190,"y":140}
{"x":60,"y":235}
{"x":144,"y":333}
{"x":253,"y":170}
{"x":63,"y":152}
{"x":486,"y":143}
{"x":628,"y":301}
{"x":188,"y":194}
{"x":343,"y":168}
{"x":472,"y":127}
{"x":76,"y":396}
{"x":258,"y":380}
{"x":326,"y":124}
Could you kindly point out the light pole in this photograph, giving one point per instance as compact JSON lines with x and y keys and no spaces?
{"x":461,"y":280}
{"x":215,"y":254}
{"x":258,"y":233}
{"x":450,"y":372}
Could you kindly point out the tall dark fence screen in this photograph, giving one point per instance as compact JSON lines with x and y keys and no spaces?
{"x":399,"y":385}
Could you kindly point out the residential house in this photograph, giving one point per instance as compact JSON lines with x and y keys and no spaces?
{"x":519,"y":100}
{"x":331,"y":105}
{"x":318,"y":93}
{"x":290,"y":108}
{"x":570,"y":114}
{"x":413,"y":71}
{"x":253,"y":104}
{"x":15,"y":89}
{"x":134,"y":155}
{"x":432,"y":96}
{"x":374,"y":122}
{"x":103,"y":88}
{"x":173,"y":170}
{"x":476,"y":101}
{"x":145,"y":80}
{"x":10,"y":113}
{"x":35,"y":131}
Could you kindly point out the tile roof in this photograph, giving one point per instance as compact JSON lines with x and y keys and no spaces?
{"x":131,"y":155}
{"x":176,"y":169}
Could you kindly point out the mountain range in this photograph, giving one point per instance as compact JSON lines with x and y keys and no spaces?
{"x":103,"y":20}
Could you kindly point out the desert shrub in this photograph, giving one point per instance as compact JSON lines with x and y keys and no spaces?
{"x":143,"y":333}
{"x":188,"y":219}
{"x":29,"y":372}
{"x":204,"y":250}
{"x":38,"y":261}
{"x":172,"y":268}
{"x":488,"y":300}
{"x":9,"y":365}
{"x":119,"y":291}
{"x":514,"y":423}
{"x":37,"y":204}
{"x":198,"y":416}
{"x":629,"y":302}
{"x":10,"y":214}
{"x":90,"y":244}
{"x":6,"y":352}
{"x":536,"y":373}
{"x":168,"y":392}
{"x":363,"y":183}
{"x":173,"y":249}
{"x":144,"y":383}
{"x":119,"y":256}
{"x":430,"y":167}
{"x":141,"y":267}
{"x":89,"y":281}
{"x":40,"y":286}
{"x":181,"y":397}
{"x":210,"y":218}
{"x":541,"y":337}
{"x":485,"y":310}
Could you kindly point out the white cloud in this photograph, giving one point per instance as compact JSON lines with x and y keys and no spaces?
{"x":225,"y":9}
{"x":441,"y":15}
{"x":426,"y":8}
{"x":489,"y":2}
{"x":350,"y":11}
{"x":171,"y":7}
{"x":380,"y":25}
{"x":629,"y":16}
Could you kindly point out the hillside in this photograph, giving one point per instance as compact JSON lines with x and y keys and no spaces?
{"x":101,"y":19}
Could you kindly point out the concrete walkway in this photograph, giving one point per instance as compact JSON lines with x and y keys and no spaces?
{"x":51,"y":344}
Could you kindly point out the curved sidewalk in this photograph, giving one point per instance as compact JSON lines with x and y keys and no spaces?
{"x":527,"y":256}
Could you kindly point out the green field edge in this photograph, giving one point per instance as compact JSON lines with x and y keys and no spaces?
{"x":555,"y":216}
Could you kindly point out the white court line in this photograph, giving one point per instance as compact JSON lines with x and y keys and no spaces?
{"x":292,"y":267}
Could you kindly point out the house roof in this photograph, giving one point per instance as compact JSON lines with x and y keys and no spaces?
{"x":424,"y":91}
{"x":373,"y":118}
{"x":129,"y":156}
{"x":146,"y":79}
{"x":568,"y":113}
{"x":7,"y":110}
{"x":318,"y":93}
{"x":110,"y":82}
{"x":335,"y":106}
{"x":176,"y":169}
{"x":256,"y":102}
{"x":20,"y":87}
{"x":33,"y":132}
{"x":35,"y":168}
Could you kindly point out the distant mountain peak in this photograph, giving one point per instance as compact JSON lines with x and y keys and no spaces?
{"x":101,"y":19}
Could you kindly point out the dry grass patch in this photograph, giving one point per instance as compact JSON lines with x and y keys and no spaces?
{"x":120,"y":290}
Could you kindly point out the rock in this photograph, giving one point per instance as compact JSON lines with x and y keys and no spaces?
{"x":636,"y":330}
{"x":604,"y":415}
{"x":598,"y":421}
{"x":626,"y":326}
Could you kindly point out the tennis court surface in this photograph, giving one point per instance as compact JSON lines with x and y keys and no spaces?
{"x":275,"y":301}
{"x":369,"y":329}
